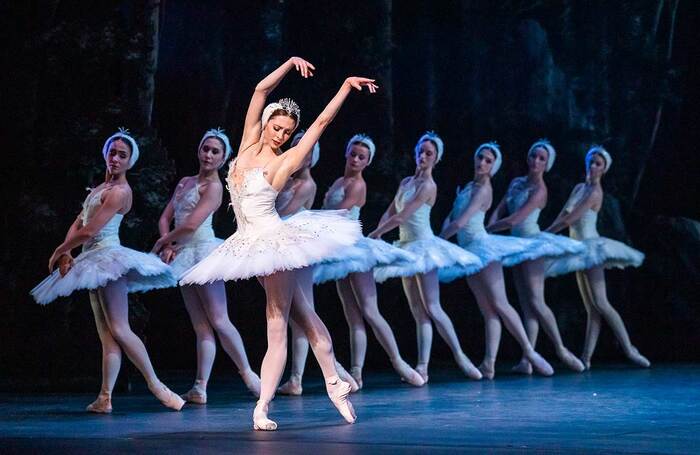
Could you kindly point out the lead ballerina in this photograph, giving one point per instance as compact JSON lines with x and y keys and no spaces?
{"x":272,"y":249}
{"x":110,"y":272}
{"x":580,"y":215}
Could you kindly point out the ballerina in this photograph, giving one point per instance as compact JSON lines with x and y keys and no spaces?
{"x":192,"y":205}
{"x":410,"y":212}
{"x":518,"y":211}
{"x":467,"y":221}
{"x":580,"y":215}
{"x":110,"y":272}
{"x":272,"y":249}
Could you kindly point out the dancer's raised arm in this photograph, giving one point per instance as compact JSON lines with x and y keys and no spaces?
{"x":252,"y":126}
{"x":294,"y":157}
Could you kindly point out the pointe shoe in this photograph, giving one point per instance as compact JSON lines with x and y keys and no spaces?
{"x":408,"y":374}
{"x":196,"y":395}
{"x":586,"y":363}
{"x":347,"y":377}
{"x":638,"y":359}
{"x":539,"y":364}
{"x":338,"y":391}
{"x":487,"y":369}
{"x":252,"y":381}
{"x":102,"y":405}
{"x":292,"y":386}
{"x":468,"y":368}
{"x":523,"y":367}
{"x":167,"y":397}
{"x":571,"y":361}
{"x":356,"y":373}
{"x":422,"y":370}
{"x":260,"y":420}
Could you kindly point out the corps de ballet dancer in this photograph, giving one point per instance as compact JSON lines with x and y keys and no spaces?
{"x":467,"y":221}
{"x":354,"y":271}
{"x":410,"y":212}
{"x":299,"y":194}
{"x":272,"y":249}
{"x":110,"y":272}
{"x":519,"y":211}
{"x":191,"y":207}
{"x":580,"y":215}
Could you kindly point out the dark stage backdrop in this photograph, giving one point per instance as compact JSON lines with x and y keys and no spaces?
{"x":622,"y":73}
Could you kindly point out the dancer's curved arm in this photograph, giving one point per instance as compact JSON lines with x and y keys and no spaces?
{"x":252,"y":125}
{"x":209,"y":201}
{"x":424,"y":194}
{"x":536,"y":200}
{"x":114,"y":200}
{"x":571,"y":214}
{"x":293,"y":158}
{"x":305,"y":192}
{"x":355,"y":194}
{"x":454,"y":222}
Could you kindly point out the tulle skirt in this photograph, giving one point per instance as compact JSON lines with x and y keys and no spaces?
{"x":363,"y":256}
{"x":599,"y":251}
{"x":96,"y":267}
{"x":303,"y":239}
{"x":191,"y":253}
{"x":430,"y":254}
{"x":546,"y":246}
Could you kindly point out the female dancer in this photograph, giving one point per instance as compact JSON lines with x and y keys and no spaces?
{"x":192,"y":205}
{"x":110,"y":271}
{"x":353,"y":272}
{"x":467,"y":221}
{"x":580,"y":215}
{"x":410,"y":212}
{"x":273,"y":249}
{"x":518,"y":211}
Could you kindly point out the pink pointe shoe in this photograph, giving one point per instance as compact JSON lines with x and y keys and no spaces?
{"x":407,"y":374}
{"x":166,"y":396}
{"x":338,"y":391}
{"x":260,"y":420}
{"x":292,"y":386}
{"x":251,"y":381}
{"x":102,"y":405}
{"x":197,"y":394}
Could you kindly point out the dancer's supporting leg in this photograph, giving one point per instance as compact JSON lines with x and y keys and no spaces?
{"x":529,"y":283}
{"x":111,"y":359}
{"x":115,"y":307}
{"x":424,"y":327}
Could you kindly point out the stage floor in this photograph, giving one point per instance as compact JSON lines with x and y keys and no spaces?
{"x":610,"y":409}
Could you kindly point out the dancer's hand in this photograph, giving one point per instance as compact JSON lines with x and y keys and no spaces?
{"x":65,"y":263}
{"x":54,"y":258}
{"x":303,"y":66}
{"x":359,"y":82}
{"x":375,"y":235}
{"x":167,"y":254}
{"x":158,"y":246}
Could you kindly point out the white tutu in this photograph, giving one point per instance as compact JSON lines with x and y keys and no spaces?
{"x":363,"y":256}
{"x":431,"y":253}
{"x":301,"y":240}
{"x":192,"y":253}
{"x":96,"y":267}
{"x":599,"y":251}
